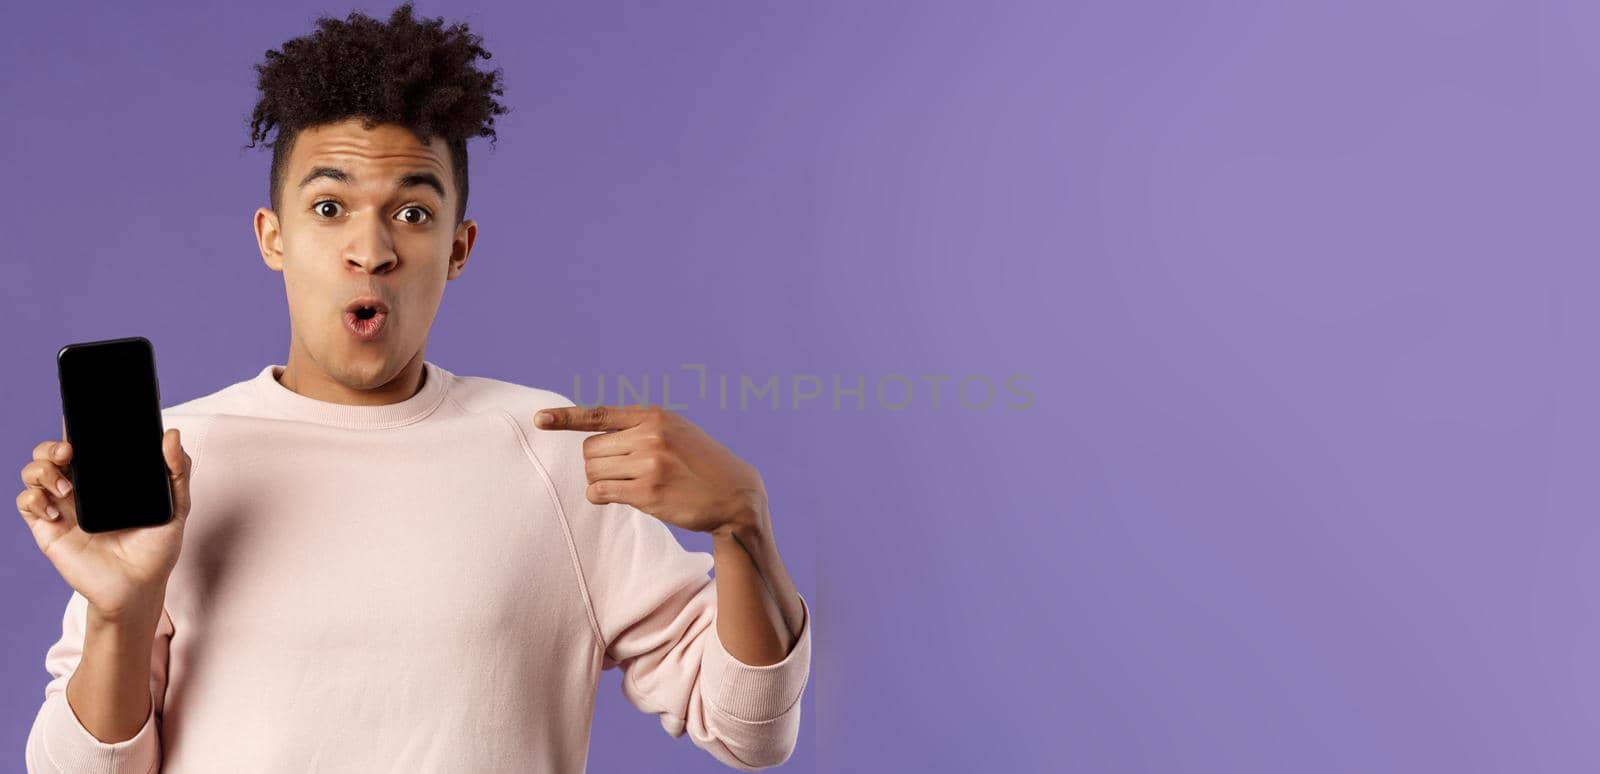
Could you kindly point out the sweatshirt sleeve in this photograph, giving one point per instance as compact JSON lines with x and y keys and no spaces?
{"x":58,"y":742}
{"x":655,"y":606}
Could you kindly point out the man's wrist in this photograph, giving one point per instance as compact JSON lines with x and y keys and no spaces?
{"x":747,"y":524}
{"x":140,"y":616}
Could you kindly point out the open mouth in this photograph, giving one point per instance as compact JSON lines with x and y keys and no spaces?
{"x":365,"y":317}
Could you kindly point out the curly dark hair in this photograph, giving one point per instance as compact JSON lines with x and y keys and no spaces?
{"x":413,"y":72}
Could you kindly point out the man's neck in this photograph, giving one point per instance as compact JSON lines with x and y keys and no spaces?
{"x":313,"y":383}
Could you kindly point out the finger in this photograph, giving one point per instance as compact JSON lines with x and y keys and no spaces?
{"x":58,"y":452}
{"x":607,"y":491}
{"x":46,"y":518}
{"x":63,"y":451}
{"x":31,"y":506}
{"x":179,"y":464}
{"x":43,"y":480}
{"x":608,"y":444}
{"x":47,"y":478}
{"x":45,"y":530}
{"x":621,"y":467}
{"x":594,"y":418}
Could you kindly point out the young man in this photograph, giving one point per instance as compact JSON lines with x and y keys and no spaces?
{"x":389,"y":567}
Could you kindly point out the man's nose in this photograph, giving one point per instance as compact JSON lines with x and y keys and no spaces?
{"x":370,"y":248}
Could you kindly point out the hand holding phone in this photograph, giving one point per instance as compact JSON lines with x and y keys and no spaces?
{"x":120,"y":555}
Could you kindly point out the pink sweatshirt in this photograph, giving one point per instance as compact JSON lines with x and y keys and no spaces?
{"x":415,"y":587}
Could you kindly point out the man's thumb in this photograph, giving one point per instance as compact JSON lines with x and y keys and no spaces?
{"x":178,"y":465}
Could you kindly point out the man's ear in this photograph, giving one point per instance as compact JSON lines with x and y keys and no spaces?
{"x":269,"y":237}
{"x":466,"y":234}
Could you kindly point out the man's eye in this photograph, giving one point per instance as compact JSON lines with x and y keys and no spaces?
{"x":329,"y":208}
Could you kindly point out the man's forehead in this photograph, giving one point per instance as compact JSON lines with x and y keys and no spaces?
{"x":349,"y":146}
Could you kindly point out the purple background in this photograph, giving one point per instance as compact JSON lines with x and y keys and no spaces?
{"x":1305,"y":296}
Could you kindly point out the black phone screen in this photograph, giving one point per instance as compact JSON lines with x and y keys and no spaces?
{"x":111,"y":405}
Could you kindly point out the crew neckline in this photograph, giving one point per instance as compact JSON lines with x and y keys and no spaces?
{"x":283,"y":403}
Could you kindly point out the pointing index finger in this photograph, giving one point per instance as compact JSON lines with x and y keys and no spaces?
{"x":593,"y":418}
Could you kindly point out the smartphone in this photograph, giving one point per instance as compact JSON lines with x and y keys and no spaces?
{"x":111,"y":405}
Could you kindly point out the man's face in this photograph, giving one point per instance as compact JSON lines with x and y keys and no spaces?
{"x":360,"y":216}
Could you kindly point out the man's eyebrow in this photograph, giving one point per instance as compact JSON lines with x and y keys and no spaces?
{"x":407,"y":180}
